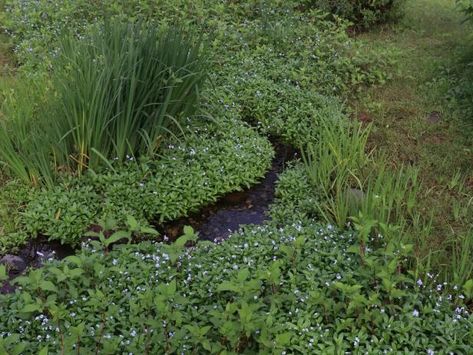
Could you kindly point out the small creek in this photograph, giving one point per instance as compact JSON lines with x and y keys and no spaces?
{"x":214,"y":222}
{"x":217,"y":221}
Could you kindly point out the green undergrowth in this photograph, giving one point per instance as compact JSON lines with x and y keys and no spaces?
{"x":223,"y":156}
{"x":117,"y":92}
{"x":363,"y":14}
{"x":336,"y":270}
{"x":270,"y":39}
{"x":302,"y":288}
{"x":272,"y":65}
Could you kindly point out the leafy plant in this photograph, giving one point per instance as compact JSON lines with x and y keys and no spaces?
{"x":109,"y":233}
{"x":293,"y":289}
{"x":223,"y":156}
{"x":363,"y":13}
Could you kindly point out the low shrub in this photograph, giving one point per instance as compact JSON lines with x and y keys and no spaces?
{"x":362,"y":13}
{"x":297,"y":289}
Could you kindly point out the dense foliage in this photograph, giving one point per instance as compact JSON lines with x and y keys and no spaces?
{"x":291,"y":285}
{"x":301,"y":288}
{"x":363,"y":13}
{"x":270,"y":65}
{"x":467,"y":7}
{"x":245,"y":37}
{"x":221,"y":157}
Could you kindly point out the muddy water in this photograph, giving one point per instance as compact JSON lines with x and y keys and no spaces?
{"x":215,"y":222}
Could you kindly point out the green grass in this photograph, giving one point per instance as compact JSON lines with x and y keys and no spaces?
{"x":427,"y":42}
{"x":119,"y":93}
{"x":6,"y":77}
{"x":290,"y":285}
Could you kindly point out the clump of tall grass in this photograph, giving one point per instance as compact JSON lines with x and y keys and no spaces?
{"x":351,"y":181}
{"x":358,"y":188}
{"x":25,"y":146}
{"x":117,"y":93}
{"x":123,"y":89}
{"x":334,"y":163}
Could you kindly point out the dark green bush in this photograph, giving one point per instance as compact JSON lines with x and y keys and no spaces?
{"x":362,"y":13}
{"x":297,"y":289}
{"x":466,"y":6}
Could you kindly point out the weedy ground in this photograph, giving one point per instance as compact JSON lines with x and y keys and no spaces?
{"x":417,"y":120}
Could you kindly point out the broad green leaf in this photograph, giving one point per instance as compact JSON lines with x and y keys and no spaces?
{"x":48,"y":286}
{"x":3,"y":273}
{"x":228,"y":286}
{"x":115,"y":237}
{"x":30,"y":308}
{"x":132,"y":223}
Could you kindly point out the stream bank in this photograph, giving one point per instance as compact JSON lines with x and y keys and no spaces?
{"x":212,"y":223}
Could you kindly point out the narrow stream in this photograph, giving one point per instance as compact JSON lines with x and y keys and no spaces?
{"x":214,"y":222}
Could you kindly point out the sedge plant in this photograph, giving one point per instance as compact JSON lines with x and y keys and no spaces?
{"x":116,"y":93}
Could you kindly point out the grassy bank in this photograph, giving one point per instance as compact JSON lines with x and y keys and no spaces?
{"x":416,"y":122}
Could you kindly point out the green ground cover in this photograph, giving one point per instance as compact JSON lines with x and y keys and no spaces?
{"x":355,"y":258}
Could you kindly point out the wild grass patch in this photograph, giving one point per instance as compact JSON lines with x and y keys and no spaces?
{"x":113,"y":95}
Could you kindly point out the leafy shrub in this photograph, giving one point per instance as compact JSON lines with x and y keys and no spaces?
{"x":466,"y":6}
{"x":362,"y":13}
{"x":298,"y":289}
{"x":119,"y":93}
{"x":224,"y":156}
